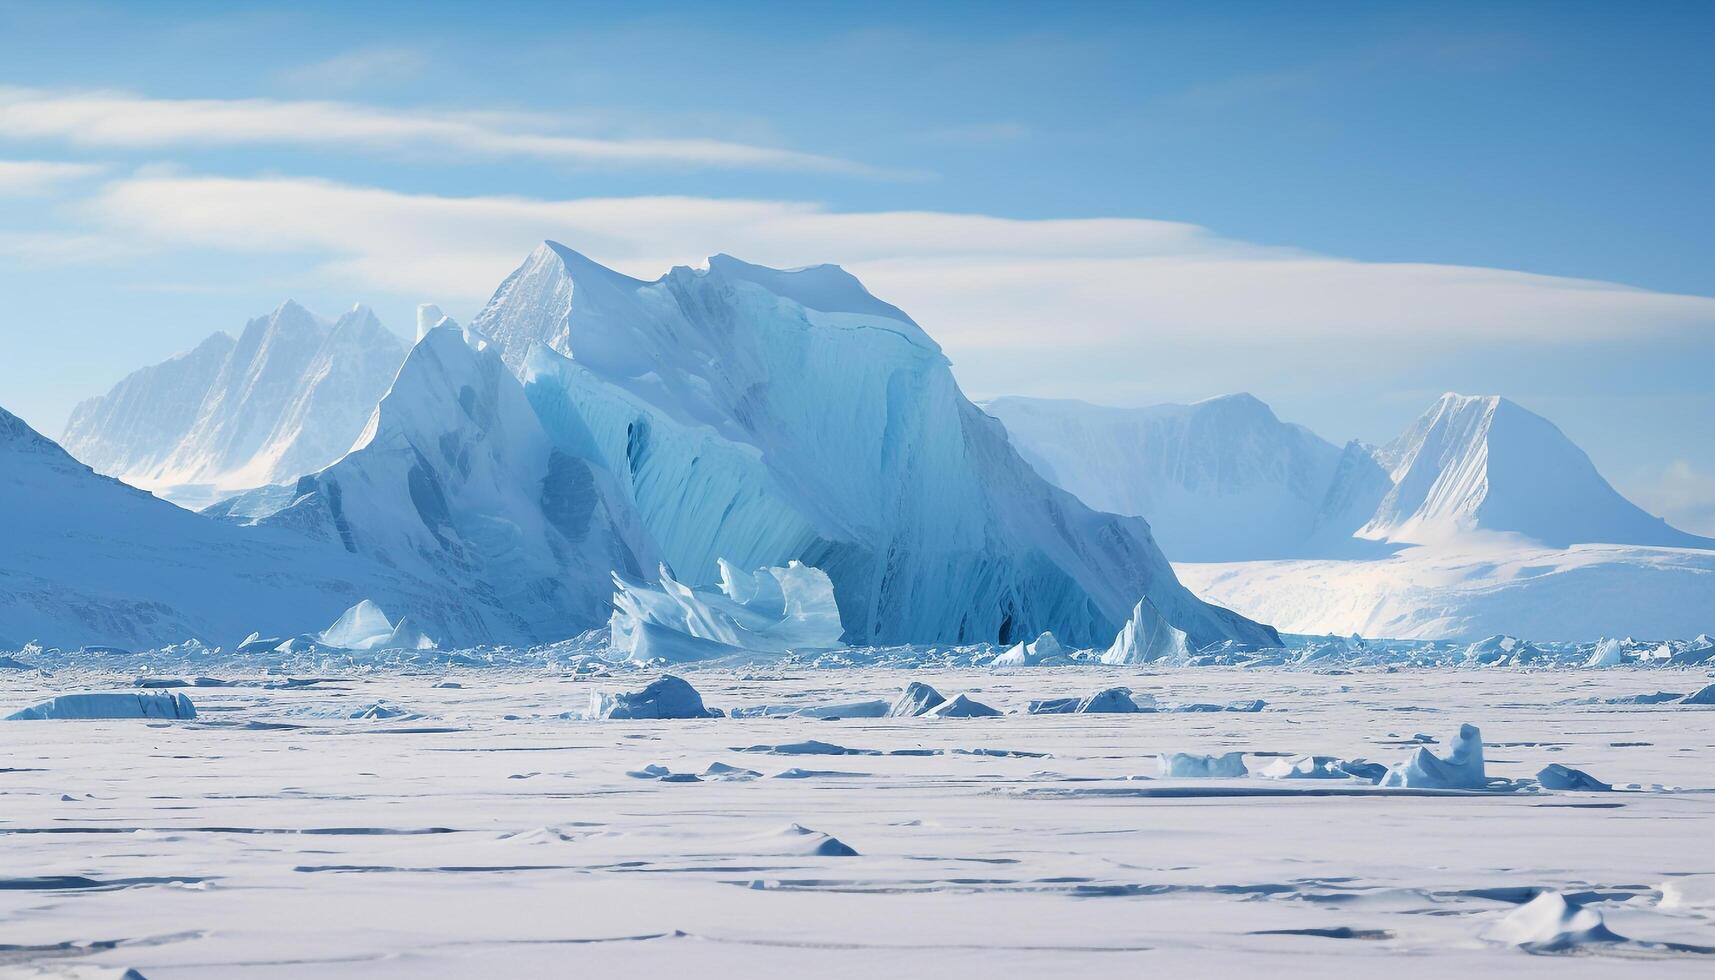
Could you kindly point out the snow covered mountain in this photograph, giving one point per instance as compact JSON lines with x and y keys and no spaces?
{"x":87,"y":560}
{"x":1484,"y":463}
{"x":286,"y":398}
{"x":761,"y":416}
{"x":454,"y":482}
{"x":1218,"y":480}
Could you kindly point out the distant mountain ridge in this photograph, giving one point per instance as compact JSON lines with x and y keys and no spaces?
{"x":1224,"y":480}
{"x":285,"y":398}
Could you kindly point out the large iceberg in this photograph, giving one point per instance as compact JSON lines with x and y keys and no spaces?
{"x":771,"y":610}
{"x":761,"y":416}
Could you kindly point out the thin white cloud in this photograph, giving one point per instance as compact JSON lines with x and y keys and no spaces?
{"x":993,"y":282}
{"x":381,"y":64}
{"x":26,"y":177}
{"x":126,"y":120}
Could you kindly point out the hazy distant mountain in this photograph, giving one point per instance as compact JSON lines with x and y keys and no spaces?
{"x":1218,"y":480}
{"x":286,"y":398}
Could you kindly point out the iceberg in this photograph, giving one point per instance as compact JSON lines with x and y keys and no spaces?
{"x":1191,"y":765}
{"x":666,"y":697}
{"x":105,"y":706}
{"x":1606,"y":654}
{"x":1043,"y":649}
{"x":961,"y":706}
{"x":1461,"y":769}
{"x":771,"y":610}
{"x":916,"y":699}
{"x":763,"y":415}
{"x":1147,"y":638}
{"x":365,"y":627}
{"x":1703,"y":695}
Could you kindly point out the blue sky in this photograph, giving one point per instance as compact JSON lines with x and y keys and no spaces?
{"x":1344,"y":208}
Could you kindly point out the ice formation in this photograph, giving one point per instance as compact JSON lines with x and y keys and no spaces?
{"x":1323,"y":767}
{"x":1147,"y":638}
{"x":365,"y":627}
{"x":1192,"y":765}
{"x":961,"y":706}
{"x":1113,"y":701}
{"x":103,"y":706}
{"x":916,"y":699}
{"x":761,"y":415}
{"x":1549,"y":923}
{"x":1042,"y":650}
{"x":1461,"y":769}
{"x":1559,"y":777}
{"x":1703,"y":695}
{"x":771,"y":610}
{"x":666,"y":697}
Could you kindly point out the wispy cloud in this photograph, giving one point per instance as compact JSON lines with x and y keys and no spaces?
{"x":23,"y":177}
{"x":126,"y":120}
{"x":1123,"y":288}
{"x":368,"y":66}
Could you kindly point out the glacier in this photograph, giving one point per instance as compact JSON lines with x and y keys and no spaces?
{"x":287,"y":397}
{"x":762,"y":416}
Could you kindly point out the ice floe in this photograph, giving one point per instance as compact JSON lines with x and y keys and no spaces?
{"x":1704,"y":695}
{"x":1559,"y":777}
{"x":1113,"y":701}
{"x":129,"y":704}
{"x":771,"y":610}
{"x":1323,"y":767}
{"x":961,"y":706}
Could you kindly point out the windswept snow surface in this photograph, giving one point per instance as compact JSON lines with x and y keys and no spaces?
{"x":759,"y":416}
{"x":379,"y":823}
{"x":288,"y":397}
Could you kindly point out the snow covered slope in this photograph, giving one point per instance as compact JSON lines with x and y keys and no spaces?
{"x":1484,"y":463}
{"x":1477,"y":586}
{"x":454,"y":482}
{"x":760,"y":416}
{"x":286,"y":398}
{"x":87,"y":560}
{"x":1219,"y":480}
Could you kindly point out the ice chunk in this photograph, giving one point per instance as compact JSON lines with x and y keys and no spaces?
{"x":1147,"y":638}
{"x":917,"y":699}
{"x":1704,"y":695}
{"x":666,"y":697}
{"x":1190,"y":764}
{"x":1040,"y":650}
{"x":358,"y":628}
{"x":1323,"y":767}
{"x":100,"y":706}
{"x":720,"y":770}
{"x":1557,"y":776}
{"x":1461,"y":769}
{"x":771,"y":610}
{"x":1113,"y":701}
{"x":1501,"y":648}
{"x":961,"y":706}
{"x":1550,"y":923}
{"x":1606,"y":654}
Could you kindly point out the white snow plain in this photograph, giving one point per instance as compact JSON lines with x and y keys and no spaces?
{"x":442,"y":820}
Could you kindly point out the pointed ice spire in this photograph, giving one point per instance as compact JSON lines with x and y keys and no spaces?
{"x":428,"y":317}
